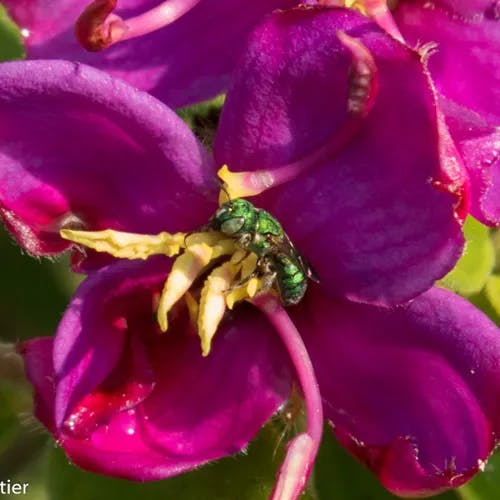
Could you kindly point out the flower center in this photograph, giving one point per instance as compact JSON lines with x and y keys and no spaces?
{"x":241,"y":251}
{"x":98,"y":28}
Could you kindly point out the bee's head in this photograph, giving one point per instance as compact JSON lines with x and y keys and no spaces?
{"x":234,"y":217}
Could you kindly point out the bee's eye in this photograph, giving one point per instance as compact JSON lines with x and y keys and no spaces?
{"x":232,"y":226}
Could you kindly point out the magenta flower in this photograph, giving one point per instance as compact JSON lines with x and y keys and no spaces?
{"x":181,"y":51}
{"x":370,"y":199}
{"x":465,"y":40}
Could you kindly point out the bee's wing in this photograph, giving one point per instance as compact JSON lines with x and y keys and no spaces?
{"x":287,"y":247}
{"x":310,"y":271}
{"x":283,"y":244}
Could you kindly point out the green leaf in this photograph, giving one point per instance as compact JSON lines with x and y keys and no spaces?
{"x":339,"y":476}
{"x":493,"y":292}
{"x":203,"y":118}
{"x":248,"y":476}
{"x":8,"y":420}
{"x":11,"y":41}
{"x":476,"y":264}
{"x":482,"y":302}
{"x":32,"y":294}
{"x":485,"y":485}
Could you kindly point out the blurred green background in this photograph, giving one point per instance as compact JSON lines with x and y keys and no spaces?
{"x":33,"y":296}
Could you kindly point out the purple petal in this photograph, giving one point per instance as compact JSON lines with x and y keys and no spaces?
{"x":466,"y":70}
{"x":79,"y":147}
{"x":196,"y":408}
{"x":478,"y":141}
{"x":92,"y":344}
{"x":413,"y":392}
{"x":158,"y":408}
{"x":188,"y":61}
{"x":377,"y":219}
{"x":37,"y":354}
{"x":465,"y":66}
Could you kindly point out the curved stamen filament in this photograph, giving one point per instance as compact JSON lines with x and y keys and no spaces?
{"x":362,"y":92}
{"x":246,"y":184}
{"x":98,"y":28}
{"x":302,"y":450}
{"x":158,"y":17}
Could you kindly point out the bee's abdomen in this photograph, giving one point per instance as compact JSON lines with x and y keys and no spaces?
{"x":291,"y":280}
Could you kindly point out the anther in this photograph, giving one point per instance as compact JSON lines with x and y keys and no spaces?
{"x":98,"y":28}
{"x":363,"y":80}
{"x":185,"y":270}
{"x":213,"y":303}
{"x":127,"y":245}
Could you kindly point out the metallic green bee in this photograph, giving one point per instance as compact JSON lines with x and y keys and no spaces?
{"x":289,"y":272}
{"x":257,"y":231}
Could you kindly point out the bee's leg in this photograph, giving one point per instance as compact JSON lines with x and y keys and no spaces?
{"x":244,"y":281}
{"x":268,"y":281}
{"x":263,"y":270}
{"x":244,"y":240}
{"x":267,"y":272}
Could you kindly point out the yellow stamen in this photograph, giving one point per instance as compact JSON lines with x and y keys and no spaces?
{"x":236,"y":294}
{"x":127,"y":245}
{"x":213,"y":303}
{"x":253,"y":286}
{"x":185,"y":270}
{"x":239,"y":256}
{"x":243,"y":184}
{"x":221,"y":289}
{"x":223,"y":247}
{"x":356,"y":5}
{"x":211,"y":238}
{"x":239,"y":293}
{"x":193,"y":308}
{"x":187,"y":267}
{"x":248,"y":265}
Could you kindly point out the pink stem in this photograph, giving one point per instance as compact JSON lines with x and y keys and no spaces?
{"x":302,"y":450}
{"x":98,"y":28}
{"x":162,"y":15}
